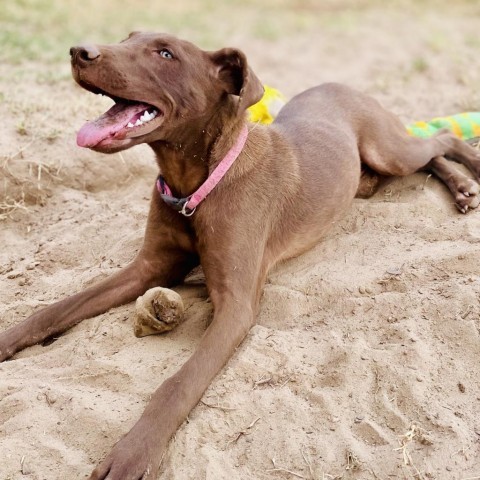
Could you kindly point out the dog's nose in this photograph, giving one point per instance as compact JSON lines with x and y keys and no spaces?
{"x":84,"y":54}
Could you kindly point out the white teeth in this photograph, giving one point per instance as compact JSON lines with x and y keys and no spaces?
{"x":146,"y":117}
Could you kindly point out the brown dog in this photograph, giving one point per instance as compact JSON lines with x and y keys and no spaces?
{"x":289,"y":184}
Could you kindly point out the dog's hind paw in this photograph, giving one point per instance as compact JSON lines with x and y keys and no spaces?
{"x":466,"y":194}
{"x":158,"y":310}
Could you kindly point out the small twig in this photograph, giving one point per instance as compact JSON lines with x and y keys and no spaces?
{"x":377,"y":381}
{"x":22,"y":466}
{"x":284,"y":470}
{"x":352,"y":461}
{"x":21,"y":150}
{"x":426,"y":180}
{"x":374,"y":474}
{"x":467,"y":312}
{"x":307,"y":461}
{"x":463,"y":451}
{"x":6,"y":209}
{"x":286,"y":381}
{"x":244,"y":431}
{"x":415,"y":433}
{"x":263,"y":380}
{"x":219,"y":407}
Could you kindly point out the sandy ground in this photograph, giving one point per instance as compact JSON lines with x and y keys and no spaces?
{"x":365,"y":360}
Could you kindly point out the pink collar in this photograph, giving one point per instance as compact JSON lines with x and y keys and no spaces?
{"x":186,"y":206}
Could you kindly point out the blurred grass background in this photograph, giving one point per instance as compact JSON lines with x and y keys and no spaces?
{"x":43,"y":30}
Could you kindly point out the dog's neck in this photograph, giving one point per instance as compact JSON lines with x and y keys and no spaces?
{"x":187,"y":161}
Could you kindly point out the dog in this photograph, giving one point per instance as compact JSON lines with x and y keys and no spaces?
{"x":233,"y":197}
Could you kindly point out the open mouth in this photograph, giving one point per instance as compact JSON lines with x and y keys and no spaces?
{"x":126,"y":119}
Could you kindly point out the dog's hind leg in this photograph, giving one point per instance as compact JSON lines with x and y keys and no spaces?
{"x":387,"y":148}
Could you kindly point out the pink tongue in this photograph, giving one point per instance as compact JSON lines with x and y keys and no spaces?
{"x":110,"y":123}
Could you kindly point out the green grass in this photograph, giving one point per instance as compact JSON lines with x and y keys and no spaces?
{"x":420,"y":65}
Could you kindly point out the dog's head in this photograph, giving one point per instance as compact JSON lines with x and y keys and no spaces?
{"x":159,"y":84}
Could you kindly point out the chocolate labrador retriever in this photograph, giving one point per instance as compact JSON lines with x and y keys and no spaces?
{"x":234,"y":197}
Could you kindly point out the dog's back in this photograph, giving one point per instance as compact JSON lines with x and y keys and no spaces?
{"x":325,"y":154}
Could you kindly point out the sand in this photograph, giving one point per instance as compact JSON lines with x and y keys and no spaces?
{"x":364,"y":363}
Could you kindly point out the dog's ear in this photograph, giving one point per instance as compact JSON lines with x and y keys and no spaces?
{"x":236,"y":77}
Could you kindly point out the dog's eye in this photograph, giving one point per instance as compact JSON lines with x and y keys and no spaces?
{"x":166,"y":54}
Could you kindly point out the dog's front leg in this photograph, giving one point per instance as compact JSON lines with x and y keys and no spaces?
{"x":138,"y":455}
{"x":162,"y":261}
{"x":121,"y":288}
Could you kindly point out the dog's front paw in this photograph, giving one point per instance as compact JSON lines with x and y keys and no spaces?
{"x":131,"y":458}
